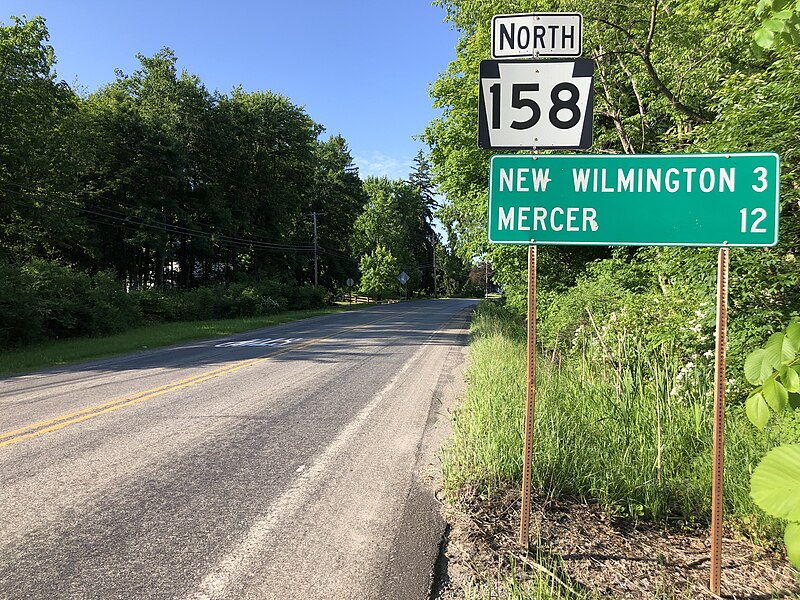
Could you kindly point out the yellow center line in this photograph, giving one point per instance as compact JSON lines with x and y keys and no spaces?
{"x":36,"y":429}
{"x":97,"y":407}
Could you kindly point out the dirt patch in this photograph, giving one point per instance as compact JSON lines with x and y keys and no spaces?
{"x":580,"y":551}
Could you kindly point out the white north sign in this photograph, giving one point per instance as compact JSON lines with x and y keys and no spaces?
{"x":534,"y":35}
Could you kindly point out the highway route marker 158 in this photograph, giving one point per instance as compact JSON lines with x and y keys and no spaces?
{"x":635,"y":200}
{"x":535,"y":104}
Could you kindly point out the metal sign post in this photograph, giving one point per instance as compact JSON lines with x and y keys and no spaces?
{"x":530,"y":401}
{"x":719,"y":419}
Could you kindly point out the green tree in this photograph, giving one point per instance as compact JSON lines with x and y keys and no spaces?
{"x":780,"y":22}
{"x":424,"y":234}
{"x":391,"y":218}
{"x":378,"y":273}
{"x":653,"y":94}
{"x":205,"y":186}
{"x":271,"y":182}
{"x":339,"y":196}
{"x":147,"y":167}
{"x":38,"y":215}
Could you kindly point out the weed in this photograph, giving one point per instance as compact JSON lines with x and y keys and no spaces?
{"x":609,"y":430}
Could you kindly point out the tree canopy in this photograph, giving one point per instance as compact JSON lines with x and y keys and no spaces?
{"x":670,"y":77}
{"x":156,"y":183}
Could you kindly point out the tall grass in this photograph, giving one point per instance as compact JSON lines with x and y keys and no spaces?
{"x":546,"y":582}
{"x":612,"y":431}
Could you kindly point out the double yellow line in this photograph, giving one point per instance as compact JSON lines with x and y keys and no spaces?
{"x":36,"y":429}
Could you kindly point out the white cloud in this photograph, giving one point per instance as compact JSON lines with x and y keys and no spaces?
{"x":380,"y":165}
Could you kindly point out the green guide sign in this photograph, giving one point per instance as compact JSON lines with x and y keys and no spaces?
{"x":635,"y":200}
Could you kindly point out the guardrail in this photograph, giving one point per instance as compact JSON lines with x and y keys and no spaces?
{"x":356,"y":299}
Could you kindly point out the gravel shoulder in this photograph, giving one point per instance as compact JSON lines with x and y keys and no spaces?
{"x":581,"y":552}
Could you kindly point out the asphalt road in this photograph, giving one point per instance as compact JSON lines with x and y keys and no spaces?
{"x":283,"y":463}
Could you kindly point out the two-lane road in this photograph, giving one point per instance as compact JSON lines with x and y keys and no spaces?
{"x":276,"y":464}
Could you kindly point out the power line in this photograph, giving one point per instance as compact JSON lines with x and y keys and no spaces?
{"x":130,"y":221}
{"x":114,"y":217}
{"x":337,"y":254}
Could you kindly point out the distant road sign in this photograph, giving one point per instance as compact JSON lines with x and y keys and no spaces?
{"x":534,"y":35}
{"x":534,"y":103}
{"x":635,"y":200}
{"x":403,"y":277}
{"x":349,"y":282}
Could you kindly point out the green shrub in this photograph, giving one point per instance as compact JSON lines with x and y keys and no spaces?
{"x":42,"y":300}
{"x":243,"y":300}
{"x":197,"y":305}
{"x":20,"y":317}
{"x":60,"y":297}
{"x":305,"y":297}
{"x":155,"y":305}
{"x":111,"y":308}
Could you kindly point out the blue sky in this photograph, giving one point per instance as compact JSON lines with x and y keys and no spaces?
{"x":361,"y":68}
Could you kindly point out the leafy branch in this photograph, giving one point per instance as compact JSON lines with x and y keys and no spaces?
{"x":775,"y":369}
{"x":780,"y":22}
{"x":644,"y":52}
{"x":775,"y":483}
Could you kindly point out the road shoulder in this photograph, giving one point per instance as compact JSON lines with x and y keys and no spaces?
{"x":411,"y":569}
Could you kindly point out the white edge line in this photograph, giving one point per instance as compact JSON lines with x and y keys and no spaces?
{"x":234,"y":564}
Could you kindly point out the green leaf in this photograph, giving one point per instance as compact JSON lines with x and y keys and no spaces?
{"x":791,"y":537}
{"x":793,"y":333}
{"x":783,"y":15}
{"x":757,"y":410}
{"x":775,"y":483}
{"x":794,"y":401}
{"x":791,"y":380}
{"x":789,"y":349}
{"x":753,"y":367}
{"x":773,"y":351}
{"x":775,"y":25}
{"x":794,"y":35}
{"x":764,"y":37}
{"x":775,"y":395}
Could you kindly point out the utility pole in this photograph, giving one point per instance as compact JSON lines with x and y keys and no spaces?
{"x":316,"y":254}
{"x":434,"y":271}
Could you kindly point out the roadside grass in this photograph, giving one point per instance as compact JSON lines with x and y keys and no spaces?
{"x":614,"y":435}
{"x":520,"y":583}
{"x":64,"y":352}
